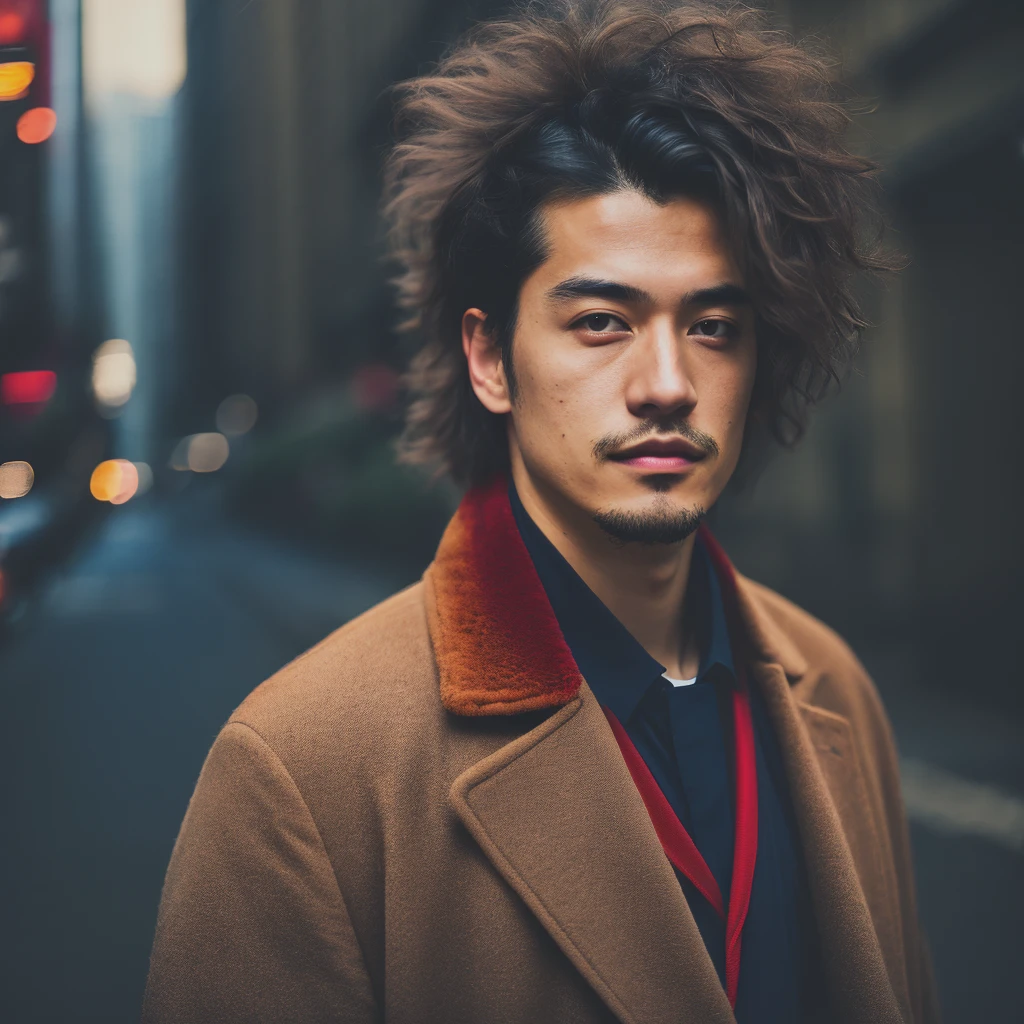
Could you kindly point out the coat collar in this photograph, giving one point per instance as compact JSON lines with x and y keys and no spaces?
{"x":499,"y":648}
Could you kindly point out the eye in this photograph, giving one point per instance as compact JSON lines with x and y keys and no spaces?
{"x":713,"y":328}
{"x":601,"y":323}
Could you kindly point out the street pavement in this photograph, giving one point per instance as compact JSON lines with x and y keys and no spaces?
{"x":117,"y":682}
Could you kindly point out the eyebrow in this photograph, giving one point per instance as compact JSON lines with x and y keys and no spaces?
{"x":595,"y":288}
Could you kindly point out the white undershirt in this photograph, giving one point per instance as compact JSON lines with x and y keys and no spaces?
{"x":679,"y":682}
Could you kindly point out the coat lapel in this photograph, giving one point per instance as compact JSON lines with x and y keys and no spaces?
{"x":822,"y":771}
{"x":559,"y":817}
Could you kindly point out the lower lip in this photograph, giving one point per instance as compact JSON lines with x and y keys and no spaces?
{"x":660,"y":463}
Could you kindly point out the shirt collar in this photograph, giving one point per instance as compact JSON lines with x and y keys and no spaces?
{"x":614,"y":664}
{"x":705,"y":596}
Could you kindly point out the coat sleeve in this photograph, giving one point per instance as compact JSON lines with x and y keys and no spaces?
{"x":252,"y":924}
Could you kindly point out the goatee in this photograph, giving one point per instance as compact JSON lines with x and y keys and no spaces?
{"x":663,"y":523}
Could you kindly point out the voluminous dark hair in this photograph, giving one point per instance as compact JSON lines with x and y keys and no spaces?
{"x":579,"y":98}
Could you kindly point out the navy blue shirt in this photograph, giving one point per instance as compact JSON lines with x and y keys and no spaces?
{"x":684,"y":734}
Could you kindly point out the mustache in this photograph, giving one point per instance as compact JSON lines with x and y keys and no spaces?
{"x":608,"y":445}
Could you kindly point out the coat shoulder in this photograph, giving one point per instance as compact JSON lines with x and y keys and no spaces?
{"x":830,"y":675}
{"x":818,"y":644}
{"x":833,"y":686}
{"x":354,"y":680}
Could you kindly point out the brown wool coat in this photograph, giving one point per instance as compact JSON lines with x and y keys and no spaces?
{"x":426,"y":818}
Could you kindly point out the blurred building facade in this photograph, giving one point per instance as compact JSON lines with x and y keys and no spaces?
{"x":286,"y":124}
{"x":897,"y":516}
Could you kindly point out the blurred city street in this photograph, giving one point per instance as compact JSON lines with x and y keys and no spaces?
{"x":113,"y":691}
{"x":116,"y":682}
{"x":201,"y":386}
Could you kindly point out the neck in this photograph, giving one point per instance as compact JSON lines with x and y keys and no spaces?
{"x":642,"y":585}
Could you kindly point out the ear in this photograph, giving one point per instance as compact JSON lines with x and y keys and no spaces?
{"x":483,"y":357}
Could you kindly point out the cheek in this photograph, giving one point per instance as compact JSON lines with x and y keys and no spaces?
{"x":737,"y":400}
{"x":561,"y":397}
{"x":725,"y":399}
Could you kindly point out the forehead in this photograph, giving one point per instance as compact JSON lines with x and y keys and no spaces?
{"x":668,"y":247}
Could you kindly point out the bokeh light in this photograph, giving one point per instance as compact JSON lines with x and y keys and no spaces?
{"x":179,"y":457}
{"x":200,"y":453}
{"x":133,"y":48}
{"x":113,"y":375}
{"x":16,"y":479}
{"x":115,"y":480}
{"x":236,"y":415}
{"x":12,"y":28}
{"x":375,"y":387}
{"x":15,"y":78}
{"x":128,"y":483}
{"x":105,"y":481}
{"x":27,"y":387}
{"x":36,"y":125}
{"x":207,"y":452}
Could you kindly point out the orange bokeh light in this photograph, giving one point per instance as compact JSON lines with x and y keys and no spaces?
{"x":128,"y":484}
{"x":15,"y":78}
{"x":36,"y":125}
{"x":115,"y":480}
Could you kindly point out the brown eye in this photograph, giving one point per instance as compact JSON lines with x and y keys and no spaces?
{"x":601,"y":323}
{"x":713,"y":329}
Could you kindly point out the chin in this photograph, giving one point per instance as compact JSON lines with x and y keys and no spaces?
{"x":657,"y":519}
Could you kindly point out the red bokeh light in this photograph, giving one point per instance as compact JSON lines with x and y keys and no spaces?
{"x":375,"y":387}
{"x":31,"y":387}
{"x":12,"y":28}
{"x":36,"y":125}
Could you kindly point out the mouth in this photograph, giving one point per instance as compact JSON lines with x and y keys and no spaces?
{"x":661,"y":455}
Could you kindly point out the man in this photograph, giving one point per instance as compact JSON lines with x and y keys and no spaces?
{"x":583,"y":771}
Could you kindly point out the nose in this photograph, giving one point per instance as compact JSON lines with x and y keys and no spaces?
{"x":659,"y":385}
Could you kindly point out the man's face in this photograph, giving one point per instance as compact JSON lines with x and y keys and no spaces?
{"x":634,"y":357}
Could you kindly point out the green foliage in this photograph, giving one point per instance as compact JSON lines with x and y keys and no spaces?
{"x":330,"y":475}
